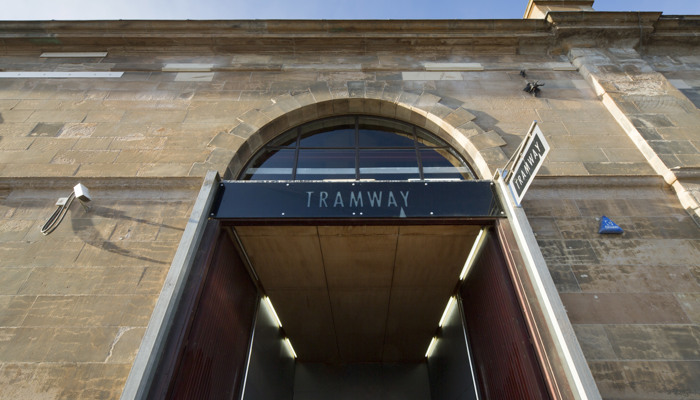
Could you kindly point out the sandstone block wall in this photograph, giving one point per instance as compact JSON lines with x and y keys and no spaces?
{"x":633,"y":298}
{"x":74,"y":305}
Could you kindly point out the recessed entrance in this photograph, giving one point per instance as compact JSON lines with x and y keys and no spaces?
{"x":361,"y":305}
{"x":359,"y":293}
{"x":361,"y":299}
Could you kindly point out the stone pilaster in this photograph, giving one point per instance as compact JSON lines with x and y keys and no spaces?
{"x":659,"y":119}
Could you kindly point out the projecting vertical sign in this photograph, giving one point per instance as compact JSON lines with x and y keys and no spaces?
{"x":531,"y":160}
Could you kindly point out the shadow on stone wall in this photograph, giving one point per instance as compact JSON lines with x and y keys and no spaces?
{"x":84,"y":226}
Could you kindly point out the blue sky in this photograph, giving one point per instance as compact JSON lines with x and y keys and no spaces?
{"x":304,"y":9}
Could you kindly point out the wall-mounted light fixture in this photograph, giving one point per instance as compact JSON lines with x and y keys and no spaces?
{"x":79,"y":192}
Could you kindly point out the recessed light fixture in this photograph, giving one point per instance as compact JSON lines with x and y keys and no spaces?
{"x":289,"y":346}
{"x":431,"y":347}
{"x":472,"y":254}
{"x":272,"y":310}
{"x":446,"y":313}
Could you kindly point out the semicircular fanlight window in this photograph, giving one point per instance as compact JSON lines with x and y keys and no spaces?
{"x":357,"y":147}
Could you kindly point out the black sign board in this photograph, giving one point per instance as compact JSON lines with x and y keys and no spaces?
{"x":531,"y":160}
{"x":352,"y":200}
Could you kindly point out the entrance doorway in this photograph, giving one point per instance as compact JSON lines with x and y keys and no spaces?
{"x":360,"y":303}
{"x":358,"y":236}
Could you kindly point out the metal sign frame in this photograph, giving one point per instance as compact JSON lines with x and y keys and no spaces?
{"x":355,"y":200}
{"x":529,"y":158}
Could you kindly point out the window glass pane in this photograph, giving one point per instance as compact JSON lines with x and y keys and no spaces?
{"x":384,"y":124}
{"x":389,"y":164}
{"x":335,"y":138}
{"x":271,"y":165}
{"x":287,"y":139}
{"x":317,"y":164}
{"x":330,"y":132}
{"x":424,"y":139}
{"x":377,"y":138}
{"x":379,"y":132}
{"x":442,"y":164}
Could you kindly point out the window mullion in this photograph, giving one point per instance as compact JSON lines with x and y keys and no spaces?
{"x":296,"y":154}
{"x":357,"y":148}
{"x":418,"y":156}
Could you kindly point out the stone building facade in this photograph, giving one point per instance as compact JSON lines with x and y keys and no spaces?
{"x":140,"y":111}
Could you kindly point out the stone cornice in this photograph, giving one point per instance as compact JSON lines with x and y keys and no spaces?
{"x":275,"y":35}
{"x":556,"y":33}
{"x":222,"y":30}
{"x":677,"y":30}
{"x":601,"y":29}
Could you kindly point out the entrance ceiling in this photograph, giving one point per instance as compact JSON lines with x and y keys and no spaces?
{"x":359,"y":293}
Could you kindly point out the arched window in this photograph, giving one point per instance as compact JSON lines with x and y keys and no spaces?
{"x":357,"y":147}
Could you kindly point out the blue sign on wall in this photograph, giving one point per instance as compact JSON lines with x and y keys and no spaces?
{"x":285,"y":200}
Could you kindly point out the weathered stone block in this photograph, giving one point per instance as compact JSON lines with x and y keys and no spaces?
{"x":487,"y":140}
{"x":690,"y":302}
{"x":57,"y":116}
{"x":80,"y":344}
{"x":623,"y":308}
{"x":563,"y":278}
{"x":106,"y":169}
{"x":126,"y":345}
{"x":577,"y":155}
{"x":594,"y":342}
{"x":634,"y":279}
{"x":45,"y":129}
{"x":648,"y":252}
{"x":624,"y":156}
{"x":557,"y":208}
{"x":12,"y":279}
{"x":356,"y":88}
{"x":568,"y":251}
{"x":647,"y":342}
{"x":126,"y":254}
{"x":619,"y":168}
{"x":14,"y":309}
